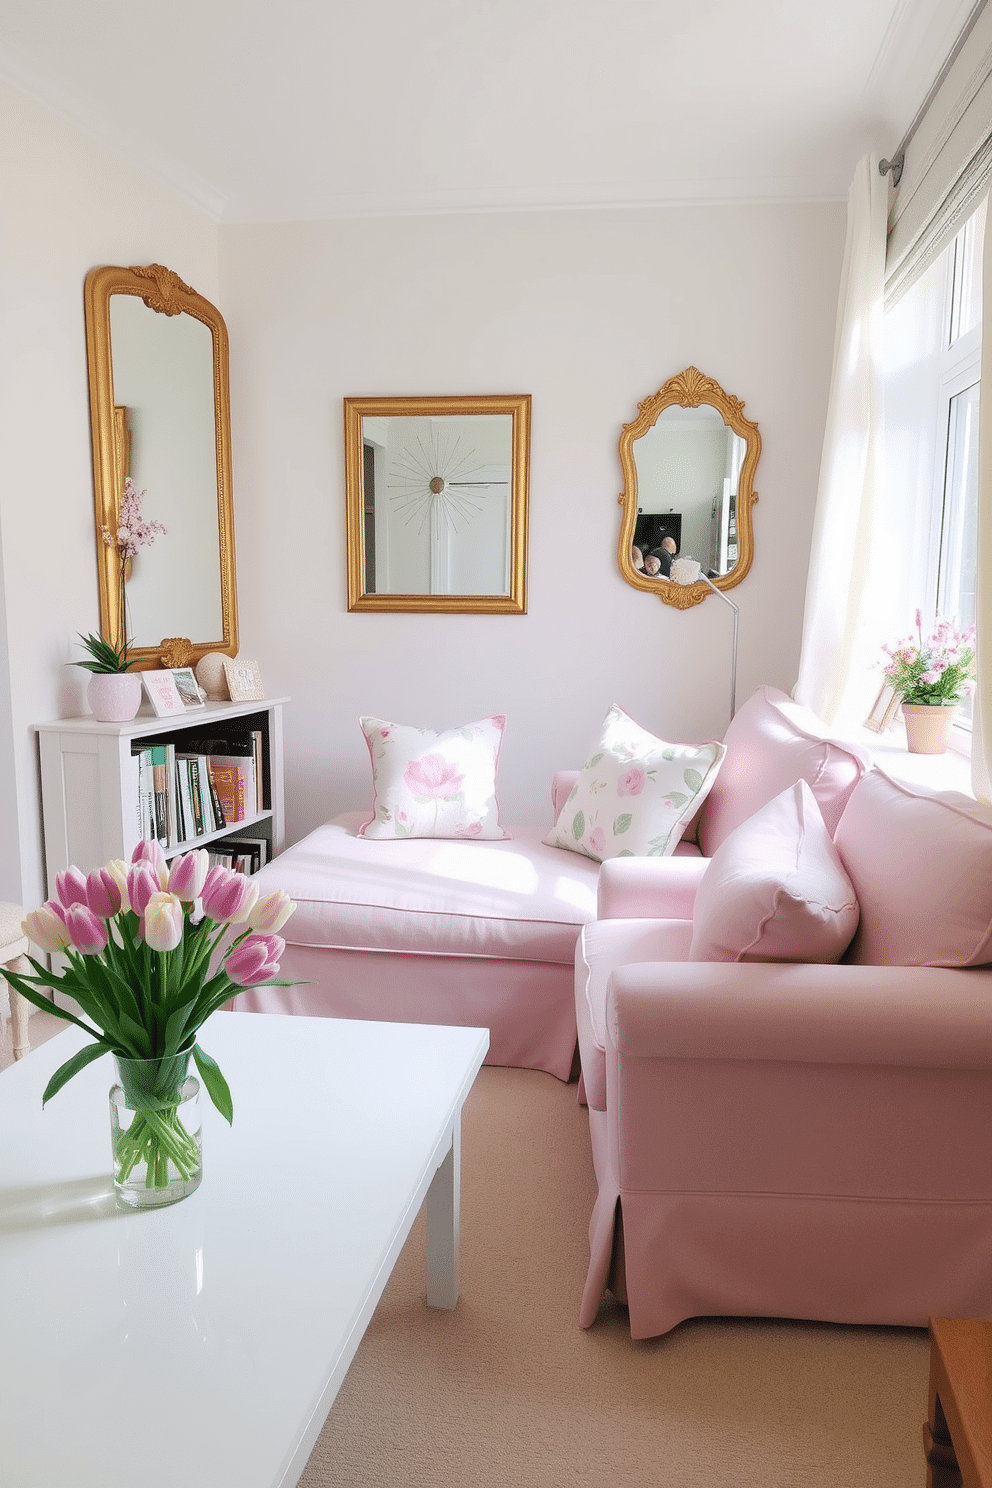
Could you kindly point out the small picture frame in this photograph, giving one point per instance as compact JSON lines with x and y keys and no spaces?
{"x":163,"y":694}
{"x":187,"y":687}
{"x":244,"y":681}
{"x":884,"y":710}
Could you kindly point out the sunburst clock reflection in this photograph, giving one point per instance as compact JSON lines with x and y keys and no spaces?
{"x":439,"y":478}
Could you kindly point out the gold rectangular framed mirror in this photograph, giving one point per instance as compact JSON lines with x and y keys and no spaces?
{"x":436,"y":493}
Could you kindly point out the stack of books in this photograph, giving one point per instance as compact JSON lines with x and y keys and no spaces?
{"x":199,"y":787}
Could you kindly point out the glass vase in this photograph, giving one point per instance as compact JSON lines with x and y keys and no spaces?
{"x":155,"y":1130}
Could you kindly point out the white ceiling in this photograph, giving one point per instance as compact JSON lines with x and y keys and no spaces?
{"x":265,"y":111}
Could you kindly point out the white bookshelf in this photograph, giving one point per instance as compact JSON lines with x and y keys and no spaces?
{"x":89,"y":781}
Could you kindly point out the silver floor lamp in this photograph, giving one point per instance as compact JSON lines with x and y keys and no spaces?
{"x":688,"y":571}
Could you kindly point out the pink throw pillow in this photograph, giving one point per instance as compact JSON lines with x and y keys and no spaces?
{"x":776,"y":889}
{"x":434,"y":785}
{"x":771,"y":743}
{"x":921,"y":862}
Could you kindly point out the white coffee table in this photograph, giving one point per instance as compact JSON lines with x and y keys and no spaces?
{"x":204,"y":1343}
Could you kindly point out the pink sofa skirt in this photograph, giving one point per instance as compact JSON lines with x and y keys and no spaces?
{"x":678,"y":1255}
{"x":528,"y":1006}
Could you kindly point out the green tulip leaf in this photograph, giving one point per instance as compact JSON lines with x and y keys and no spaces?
{"x":72,"y":1067}
{"x":216,"y":1085}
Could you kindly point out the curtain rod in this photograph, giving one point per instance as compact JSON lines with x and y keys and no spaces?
{"x":898,"y":160}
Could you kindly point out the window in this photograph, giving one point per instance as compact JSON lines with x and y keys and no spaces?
{"x":932,"y":378}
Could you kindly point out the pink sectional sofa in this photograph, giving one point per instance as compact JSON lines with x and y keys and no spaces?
{"x":786,"y":1137}
{"x":437,"y":931}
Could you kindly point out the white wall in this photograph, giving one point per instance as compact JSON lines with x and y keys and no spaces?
{"x":589,"y":312}
{"x":68,"y":204}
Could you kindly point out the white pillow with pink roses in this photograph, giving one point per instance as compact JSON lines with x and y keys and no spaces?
{"x":430,"y":784}
{"x":636,"y":793}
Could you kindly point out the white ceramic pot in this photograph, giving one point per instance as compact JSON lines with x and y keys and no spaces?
{"x":114,"y":697}
{"x":928,"y":726}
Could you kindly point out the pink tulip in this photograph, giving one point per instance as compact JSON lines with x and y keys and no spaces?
{"x":152,"y":854}
{"x":227,"y":896}
{"x":271,"y":913}
{"x":188,"y":874}
{"x":142,"y":883}
{"x":255,"y":960}
{"x":103,"y":895}
{"x":46,"y":927}
{"x":87,"y":931}
{"x":71,"y":887}
{"x":163,"y":922}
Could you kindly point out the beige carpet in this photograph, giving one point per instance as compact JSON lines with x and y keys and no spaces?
{"x":507,"y":1390}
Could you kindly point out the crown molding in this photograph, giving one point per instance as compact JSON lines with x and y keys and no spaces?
{"x":339,"y":206}
{"x":104,"y":125}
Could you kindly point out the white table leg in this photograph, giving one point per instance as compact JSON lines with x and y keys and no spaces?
{"x":442,"y":1207}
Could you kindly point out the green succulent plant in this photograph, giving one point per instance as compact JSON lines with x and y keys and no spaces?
{"x":104,"y":656}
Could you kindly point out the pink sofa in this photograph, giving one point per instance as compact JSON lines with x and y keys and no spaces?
{"x":792,"y":1139}
{"x":437,"y":931}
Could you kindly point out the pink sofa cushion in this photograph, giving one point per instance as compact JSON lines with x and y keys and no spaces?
{"x":771,"y":743}
{"x":775,"y":889}
{"x":603,"y":948}
{"x":515,"y":898}
{"x":921,"y":864}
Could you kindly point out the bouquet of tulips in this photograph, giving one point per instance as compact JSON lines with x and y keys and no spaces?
{"x":151,"y":950}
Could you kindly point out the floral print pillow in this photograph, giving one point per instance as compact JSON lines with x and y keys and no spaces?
{"x":434,"y":785}
{"x":636,"y":794}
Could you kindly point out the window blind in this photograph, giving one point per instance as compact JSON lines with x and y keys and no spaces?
{"x":948,"y":165}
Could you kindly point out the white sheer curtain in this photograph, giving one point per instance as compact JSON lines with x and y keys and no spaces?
{"x":981,"y":738}
{"x":839,"y":646}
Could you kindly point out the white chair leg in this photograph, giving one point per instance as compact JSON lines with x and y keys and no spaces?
{"x":19,"y":1010}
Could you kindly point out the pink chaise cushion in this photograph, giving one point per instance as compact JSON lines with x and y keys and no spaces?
{"x":515,"y":898}
{"x":775,"y":889}
{"x":771,"y":743}
{"x":921,"y":864}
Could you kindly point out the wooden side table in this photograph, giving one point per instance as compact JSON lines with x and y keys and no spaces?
{"x":957,"y":1436}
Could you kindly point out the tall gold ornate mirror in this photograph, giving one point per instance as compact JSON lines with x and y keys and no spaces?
{"x":160,"y":415}
{"x":436,"y":493}
{"x":688,"y":463}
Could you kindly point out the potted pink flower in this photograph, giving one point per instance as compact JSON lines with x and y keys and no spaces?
{"x":931,"y":675}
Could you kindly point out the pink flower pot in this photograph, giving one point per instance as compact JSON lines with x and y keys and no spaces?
{"x":114,"y":697}
{"x":928,"y":726}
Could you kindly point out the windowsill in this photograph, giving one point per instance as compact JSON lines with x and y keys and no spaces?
{"x":948,"y":771}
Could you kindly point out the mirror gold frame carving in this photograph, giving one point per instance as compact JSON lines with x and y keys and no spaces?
{"x":163,"y":291}
{"x":688,"y":390}
{"x":518,"y":407}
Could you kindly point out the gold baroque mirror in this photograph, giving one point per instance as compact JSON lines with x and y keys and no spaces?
{"x":160,"y":416}
{"x":436,"y":494}
{"x":688,"y":463}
